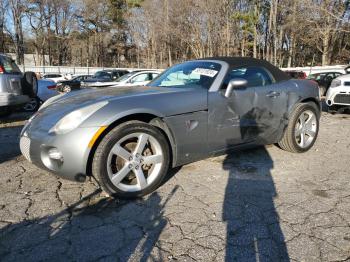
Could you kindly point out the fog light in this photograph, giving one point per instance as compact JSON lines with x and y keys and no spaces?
{"x":55,"y":154}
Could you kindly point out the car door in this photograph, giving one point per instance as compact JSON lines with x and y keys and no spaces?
{"x":270,"y":109}
{"x":249,"y":114}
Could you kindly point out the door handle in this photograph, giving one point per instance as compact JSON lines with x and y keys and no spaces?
{"x":273,"y":94}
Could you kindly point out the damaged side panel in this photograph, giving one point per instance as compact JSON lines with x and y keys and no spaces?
{"x":227,"y":118}
{"x":252,"y":115}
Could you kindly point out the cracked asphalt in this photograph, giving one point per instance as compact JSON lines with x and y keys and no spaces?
{"x":259,"y":205}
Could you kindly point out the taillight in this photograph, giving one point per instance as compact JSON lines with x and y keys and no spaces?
{"x":2,"y":69}
{"x":51,"y":87}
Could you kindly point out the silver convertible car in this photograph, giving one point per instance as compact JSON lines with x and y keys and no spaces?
{"x":128,"y":138}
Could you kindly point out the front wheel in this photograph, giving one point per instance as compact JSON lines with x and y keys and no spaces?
{"x":131,"y":160}
{"x":302,"y":129}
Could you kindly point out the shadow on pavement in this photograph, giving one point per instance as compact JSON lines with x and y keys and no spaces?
{"x":107,"y":230}
{"x":253,"y":230}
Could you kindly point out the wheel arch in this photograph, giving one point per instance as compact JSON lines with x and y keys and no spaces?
{"x":151,"y":119}
{"x":313,"y":100}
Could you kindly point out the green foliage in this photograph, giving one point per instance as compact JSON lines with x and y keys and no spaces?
{"x":247,"y":20}
{"x":118,"y":9}
{"x":134,"y":3}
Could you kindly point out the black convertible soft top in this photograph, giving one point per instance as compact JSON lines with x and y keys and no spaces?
{"x":235,"y":62}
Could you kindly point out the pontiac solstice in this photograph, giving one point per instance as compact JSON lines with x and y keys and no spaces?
{"x":129,"y":137}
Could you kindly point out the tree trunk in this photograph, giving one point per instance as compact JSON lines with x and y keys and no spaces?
{"x":325,"y":47}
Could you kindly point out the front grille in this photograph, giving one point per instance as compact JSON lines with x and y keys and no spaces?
{"x":346,"y":83}
{"x":24,"y":145}
{"x":342,"y":99}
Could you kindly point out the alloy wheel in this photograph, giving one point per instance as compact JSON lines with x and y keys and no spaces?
{"x":306,"y":129}
{"x":135,"y":162}
{"x":66,"y":89}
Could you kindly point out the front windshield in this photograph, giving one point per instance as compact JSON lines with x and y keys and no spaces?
{"x":189,"y":74}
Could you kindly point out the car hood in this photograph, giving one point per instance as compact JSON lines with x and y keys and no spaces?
{"x":344,"y":77}
{"x":106,"y":83}
{"x":162,"y":101}
{"x":94,"y":95}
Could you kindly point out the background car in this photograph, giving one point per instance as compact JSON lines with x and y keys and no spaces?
{"x":46,"y":90}
{"x":54,"y":77}
{"x":15,"y":88}
{"x":296,"y":74}
{"x":104,"y":76}
{"x":338,"y":94}
{"x":72,"y":84}
{"x":128,"y":138}
{"x":135,"y":78}
{"x":324,"y":80}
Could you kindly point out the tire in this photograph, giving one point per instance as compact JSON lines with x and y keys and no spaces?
{"x":128,"y":185}
{"x":66,"y":89}
{"x":33,"y":105}
{"x":30,"y":84}
{"x":5,"y":111}
{"x":291,"y":140}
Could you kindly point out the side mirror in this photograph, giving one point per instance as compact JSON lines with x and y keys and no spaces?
{"x":233,"y":84}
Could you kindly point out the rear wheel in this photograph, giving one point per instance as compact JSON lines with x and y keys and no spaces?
{"x":5,"y":111}
{"x":33,"y":105}
{"x":131,"y":160}
{"x":66,"y":89}
{"x":302,"y":129}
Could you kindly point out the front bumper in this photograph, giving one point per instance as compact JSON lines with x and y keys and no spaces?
{"x":9,"y":99}
{"x":35,"y":146}
{"x":338,"y":96}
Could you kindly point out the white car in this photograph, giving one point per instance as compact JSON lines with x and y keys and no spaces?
{"x":46,"y":90}
{"x":55,"y":77}
{"x":338,"y":93}
{"x":135,"y":78}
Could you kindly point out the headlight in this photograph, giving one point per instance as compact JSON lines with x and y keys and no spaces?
{"x":335,"y":83}
{"x":75,"y":118}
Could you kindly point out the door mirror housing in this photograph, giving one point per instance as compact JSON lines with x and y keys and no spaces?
{"x":235,"y":84}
